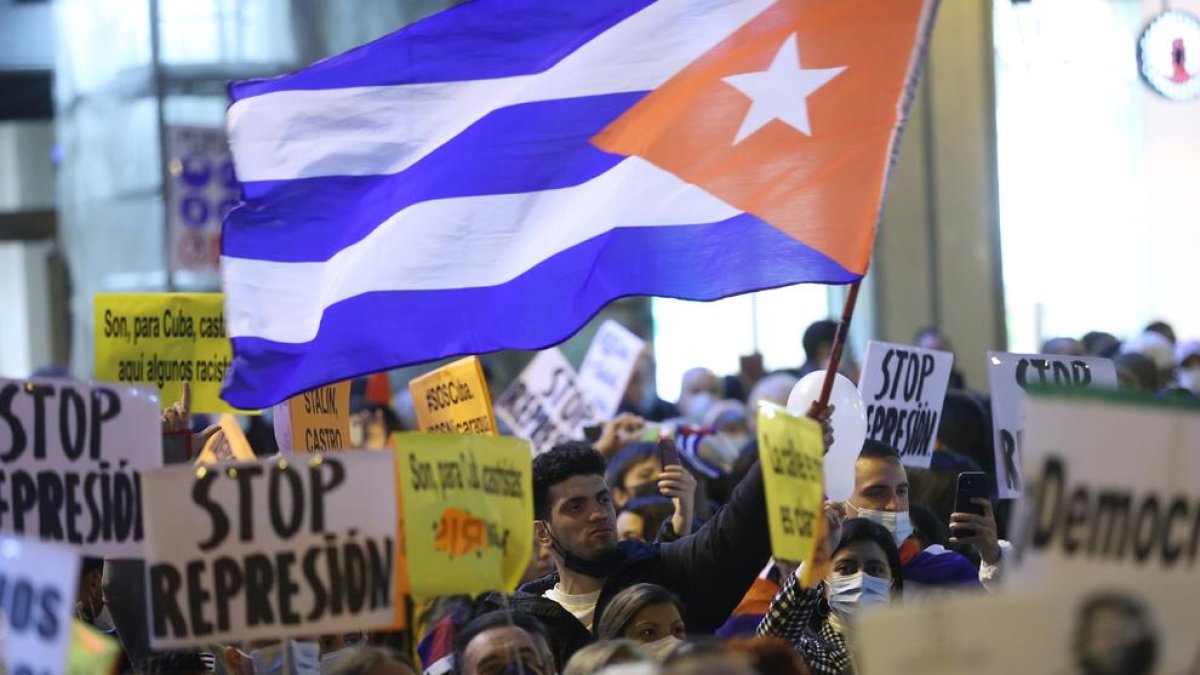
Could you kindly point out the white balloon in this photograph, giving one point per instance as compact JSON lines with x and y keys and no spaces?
{"x":849,"y":428}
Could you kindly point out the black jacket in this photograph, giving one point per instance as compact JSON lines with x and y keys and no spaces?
{"x":710,"y":571}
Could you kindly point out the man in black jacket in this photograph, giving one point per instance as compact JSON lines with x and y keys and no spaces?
{"x":575,"y":517}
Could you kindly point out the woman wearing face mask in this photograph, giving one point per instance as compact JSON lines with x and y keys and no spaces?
{"x":864,"y":571}
{"x":645,"y":613}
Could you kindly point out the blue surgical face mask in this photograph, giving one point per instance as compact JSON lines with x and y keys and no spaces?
{"x":848,"y":595}
{"x":896,"y":522}
{"x":305,"y":658}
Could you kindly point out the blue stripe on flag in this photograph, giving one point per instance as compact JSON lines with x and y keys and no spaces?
{"x":477,"y":40}
{"x":521,"y":148}
{"x":540,"y":308}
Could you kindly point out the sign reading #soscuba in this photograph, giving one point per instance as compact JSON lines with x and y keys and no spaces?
{"x":70,"y":460}
{"x":904,"y":389}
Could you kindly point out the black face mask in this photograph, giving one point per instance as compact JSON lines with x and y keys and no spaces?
{"x":597,"y":569}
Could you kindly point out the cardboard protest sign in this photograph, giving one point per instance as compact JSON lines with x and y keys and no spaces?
{"x":468,"y":511}
{"x":904,"y":389}
{"x":546,"y":404}
{"x":1008,"y":377}
{"x":70,"y":457}
{"x":230,"y":445}
{"x":314,"y":421}
{"x":1123,"y":628}
{"x":164,"y":340}
{"x":791,"y":448}
{"x":91,"y":652}
{"x":1111,"y":490}
{"x":608,"y":365}
{"x":454,"y":399}
{"x":271,"y":549}
{"x":37,"y":601}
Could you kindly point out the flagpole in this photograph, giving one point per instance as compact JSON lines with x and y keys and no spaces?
{"x":839,"y":340}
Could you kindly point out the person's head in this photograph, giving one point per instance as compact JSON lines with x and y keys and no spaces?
{"x":1063,"y":346}
{"x":773,"y":388}
{"x":931,"y":338}
{"x":642,"y":518}
{"x":597,"y":656}
{"x":864,"y":568}
{"x":699,"y":389}
{"x":1162,"y":328}
{"x":492,"y":642}
{"x":647,"y":614}
{"x":633,"y":472}
{"x":881,"y":489}
{"x":1099,"y":343}
{"x":768,"y":654}
{"x":1136,"y":372}
{"x":573,"y":507}
{"x":1115,"y":635}
{"x":1153,"y":346}
{"x":964,"y":427}
{"x":818,"y":340}
{"x":368,"y":660}
{"x":89,"y":598}
{"x":1187,"y":365}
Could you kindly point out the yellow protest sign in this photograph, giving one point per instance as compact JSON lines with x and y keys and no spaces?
{"x":468,"y":511}
{"x":164,"y":339}
{"x":791,"y":448}
{"x":454,"y":399}
{"x":320,"y":419}
{"x":91,"y":652}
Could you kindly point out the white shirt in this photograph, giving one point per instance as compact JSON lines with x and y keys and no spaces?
{"x":583,"y":606}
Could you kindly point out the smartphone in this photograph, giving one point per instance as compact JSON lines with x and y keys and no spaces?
{"x":971,"y":485}
{"x":667,"y":452}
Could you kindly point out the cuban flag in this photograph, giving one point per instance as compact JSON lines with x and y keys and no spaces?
{"x":492,"y":176}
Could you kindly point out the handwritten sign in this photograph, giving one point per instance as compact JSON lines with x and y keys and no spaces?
{"x":608,"y":365}
{"x":164,"y":340}
{"x":454,"y":399}
{"x":314,"y":421}
{"x":70,"y":457}
{"x":468,"y":511}
{"x":37,"y":601}
{"x":546,"y":404}
{"x":1111,"y":491}
{"x":904,"y":389}
{"x":271,"y":549}
{"x":791,"y":448}
{"x":231,"y":445}
{"x":1008,"y":377}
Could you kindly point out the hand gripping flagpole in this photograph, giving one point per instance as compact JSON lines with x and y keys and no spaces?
{"x":839,"y":340}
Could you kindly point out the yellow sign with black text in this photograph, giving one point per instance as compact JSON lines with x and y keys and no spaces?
{"x":454,"y":399}
{"x":791,"y":449}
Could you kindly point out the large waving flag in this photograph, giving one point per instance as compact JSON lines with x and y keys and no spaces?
{"x":491,"y":176}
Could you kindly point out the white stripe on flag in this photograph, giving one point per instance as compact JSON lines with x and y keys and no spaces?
{"x":361,"y":131}
{"x":463,"y":242}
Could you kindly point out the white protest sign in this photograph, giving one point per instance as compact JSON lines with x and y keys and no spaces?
{"x":1008,"y":376}
{"x":1111,"y":491}
{"x":37,"y":602}
{"x":271,"y":549}
{"x":70,"y":457}
{"x":201,"y":189}
{"x":1129,"y":628}
{"x":608,"y":365}
{"x":904,"y":389}
{"x":546,"y":405}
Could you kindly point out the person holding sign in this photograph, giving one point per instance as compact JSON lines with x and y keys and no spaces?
{"x":865,"y":571}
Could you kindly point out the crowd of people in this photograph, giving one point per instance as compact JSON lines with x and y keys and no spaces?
{"x":644,"y":567}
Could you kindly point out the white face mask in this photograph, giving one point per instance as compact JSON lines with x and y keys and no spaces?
{"x":849,"y":595}
{"x":662,"y":648}
{"x":896,"y":522}
{"x":304,"y":658}
{"x":1189,"y":379}
{"x":696,"y":407}
{"x":331,"y":659}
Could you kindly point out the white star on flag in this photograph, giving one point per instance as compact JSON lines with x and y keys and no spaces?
{"x":781,"y":91}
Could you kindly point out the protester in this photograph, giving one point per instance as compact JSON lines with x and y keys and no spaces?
{"x":1159,"y":349}
{"x":599,"y":656}
{"x":1099,"y":343}
{"x":818,"y":344}
{"x":637,"y":471}
{"x":698,"y":391}
{"x":1064,"y":346}
{"x":864,"y":571}
{"x":640,"y":396}
{"x":1187,"y":366}
{"x":1162,"y":328}
{"x":577,"y":520}
{"x":647,"y":519}
{"x":647,"y":614}
{"x":1136,"y":373}
{"x":931,"y":338}
{"x":371,"y":661}
{"x":881,"y":495}
{"x":503,"y":642}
